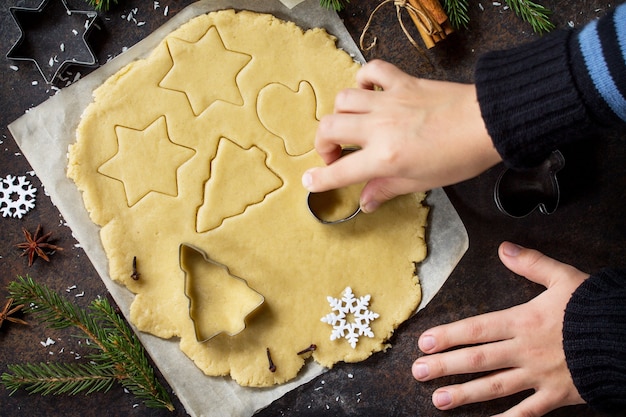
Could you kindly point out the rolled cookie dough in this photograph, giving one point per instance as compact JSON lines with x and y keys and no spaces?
{"x":204,"y":143}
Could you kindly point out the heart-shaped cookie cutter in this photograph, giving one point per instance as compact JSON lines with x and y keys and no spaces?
{"x":518,"y":193}
{"x":200,"y":336}
{"x":317,"y":202}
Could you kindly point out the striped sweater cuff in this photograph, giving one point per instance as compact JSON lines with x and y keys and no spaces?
{"x":599,"y":55}
{"x":529,"y":100}
{"x":594,"y":340}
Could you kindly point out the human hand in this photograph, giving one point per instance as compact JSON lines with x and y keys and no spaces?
{"x":414,"y":135}
{"x":522,"y":345}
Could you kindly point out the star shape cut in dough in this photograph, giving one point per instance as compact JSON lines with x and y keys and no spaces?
{"x":217,"y":77}
{"x":52,"y":54}
{"x":146,"y":160}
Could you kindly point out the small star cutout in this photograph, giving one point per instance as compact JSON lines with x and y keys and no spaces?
{"x":217,"y":80}
{"x":53,"y":37}
{"x":146,"y":160}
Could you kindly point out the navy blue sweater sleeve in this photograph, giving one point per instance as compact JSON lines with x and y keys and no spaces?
{"x":594,"y":340}
{"x":535,"y":98}
{"x":561,"y":88}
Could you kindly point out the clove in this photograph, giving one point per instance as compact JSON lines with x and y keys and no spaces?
{"x":309,"y":349}
{"x":269,"y":359}
{"x":135,"y":274}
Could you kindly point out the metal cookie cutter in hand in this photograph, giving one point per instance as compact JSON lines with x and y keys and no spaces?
{"x":336,"y":206}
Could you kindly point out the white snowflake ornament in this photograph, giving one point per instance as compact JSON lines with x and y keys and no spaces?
{"x":348,"y":307}
{"x":17,"y":196}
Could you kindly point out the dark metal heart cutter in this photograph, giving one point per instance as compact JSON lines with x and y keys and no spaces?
{"x":519,"y":193}
{"x":53,"y":37}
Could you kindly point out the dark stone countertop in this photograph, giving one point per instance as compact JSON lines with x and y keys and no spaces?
{"x":587,"y":230}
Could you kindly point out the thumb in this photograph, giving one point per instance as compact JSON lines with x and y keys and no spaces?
{"x":380,"y":190}
{"x":534,"y":265}
{"x":378,"y":73}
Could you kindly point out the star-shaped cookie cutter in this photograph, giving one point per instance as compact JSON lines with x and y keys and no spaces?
{"x":53,"y":37}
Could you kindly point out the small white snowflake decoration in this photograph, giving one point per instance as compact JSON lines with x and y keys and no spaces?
{"x":348,"y":307}
{"x":17,"y":196}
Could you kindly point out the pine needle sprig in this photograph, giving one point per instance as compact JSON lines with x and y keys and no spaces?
{"x":336,"y":5}
{"x":50,"y":308}
{"x":101,"y":5}
{"x":58,"y":378}
{"x":537,"y":15}
{"x":457,"y":11}
{"x":120,"y":356}
{"x":123,"y":346}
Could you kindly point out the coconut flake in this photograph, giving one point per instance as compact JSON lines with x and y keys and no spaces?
{"x":47,"y":343}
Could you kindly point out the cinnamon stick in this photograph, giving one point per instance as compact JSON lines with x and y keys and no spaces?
{"x":431,"y":16}
{"x":434,"y":8}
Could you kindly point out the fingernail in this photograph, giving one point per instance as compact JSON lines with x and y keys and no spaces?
{"x":442,"y":399}
{"x":307,"y":180}
{"x":511,"y":249}
{"x":420,"y":371}
{"x":427,"y":343}
{"x":370,"y":206}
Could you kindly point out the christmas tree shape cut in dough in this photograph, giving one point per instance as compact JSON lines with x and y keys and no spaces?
{"x":239,"y":178}
{"x":219,"y":302}
{"x":277,"y":100}
{"x":217,"y":81}
{"x":146,"y":160}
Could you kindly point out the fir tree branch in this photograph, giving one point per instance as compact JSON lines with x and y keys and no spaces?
{"x":336,"y":5}
{"x":53,"y":310}
{"x":537,"y":15}
{"x":101,"y":5}
{"x":124,"y":347}
{"x":457,"y":11}
{"x":56,"y":379}
{"x":120,"y":355}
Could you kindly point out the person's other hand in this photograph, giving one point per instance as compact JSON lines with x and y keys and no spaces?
{"x":414,"y":134}
{"x":521,"y":345}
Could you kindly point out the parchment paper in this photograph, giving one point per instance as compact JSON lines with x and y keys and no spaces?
{"x":44,"y":133}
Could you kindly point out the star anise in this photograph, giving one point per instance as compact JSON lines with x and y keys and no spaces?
{"x":36,"y":244}
{"x":7,"y":312}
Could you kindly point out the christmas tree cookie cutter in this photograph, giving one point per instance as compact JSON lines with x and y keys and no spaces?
{"x":53,"y":37}
{"x":219,"y":302}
